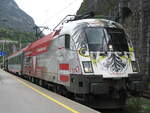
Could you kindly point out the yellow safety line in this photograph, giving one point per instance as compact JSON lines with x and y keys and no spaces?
{"x":47,"y":96}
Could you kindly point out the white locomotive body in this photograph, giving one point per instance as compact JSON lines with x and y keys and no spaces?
{"x":93,"y":59}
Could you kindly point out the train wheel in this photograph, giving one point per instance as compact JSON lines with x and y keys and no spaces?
{"x":66,"y":93}
{"x":41,"y":82}
{"x":32,"y":79}
{"x":36,"y":81}
{"x":54,"y":88}
{"x":82,"y":98}
{"x":59,"y":89}
{"x":45,"y":84}
{"x":17,"y":74}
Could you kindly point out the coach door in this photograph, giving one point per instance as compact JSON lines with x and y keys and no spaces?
{"x":63,"y":64}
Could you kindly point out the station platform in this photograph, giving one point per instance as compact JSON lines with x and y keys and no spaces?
{"x":20,"y":96}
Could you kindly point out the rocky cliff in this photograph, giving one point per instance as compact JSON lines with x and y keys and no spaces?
{"x":11,"y":16}
{"x":101,"y":7}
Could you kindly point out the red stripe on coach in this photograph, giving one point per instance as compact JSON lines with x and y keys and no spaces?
{"x":64,"y":66}
{"x":64,"y":78}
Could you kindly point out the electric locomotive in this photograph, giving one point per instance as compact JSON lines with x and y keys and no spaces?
{"x":92,"y":59}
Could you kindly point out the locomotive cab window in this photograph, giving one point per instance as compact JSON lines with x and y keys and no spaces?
{"x":67,"y":41}
{"x":117,"y":40}
{"x":96,"y":38}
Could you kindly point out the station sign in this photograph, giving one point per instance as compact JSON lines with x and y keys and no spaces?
{"x":2,"y":53}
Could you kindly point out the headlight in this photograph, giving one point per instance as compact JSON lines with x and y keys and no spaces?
{"x":87,"y":66}
{"x":110,"y":47}
{"x":135,"y":66}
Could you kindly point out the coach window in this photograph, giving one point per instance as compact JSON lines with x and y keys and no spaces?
{"x":67,"y":41}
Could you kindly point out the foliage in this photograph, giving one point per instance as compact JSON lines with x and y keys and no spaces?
{"x":84,"y":7}
{"x":15,"y":35}
{"x":103,"y":8}
{"x":138,"y":105}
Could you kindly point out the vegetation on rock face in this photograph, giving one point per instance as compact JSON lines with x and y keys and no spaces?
{"x":23,"y":39}
{"x":83,"y":7}
{"x":16,"y":35}
{"x":138,"y":105}
{"x":15,"y":25}
{"x":101,"y":7}
{"x":11,"y":16}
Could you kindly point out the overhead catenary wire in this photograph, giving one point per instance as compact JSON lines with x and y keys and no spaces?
{"x":60,"y":11}
{"x":89,"y":8}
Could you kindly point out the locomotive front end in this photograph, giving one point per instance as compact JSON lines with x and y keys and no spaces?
{"x":109,"y":67}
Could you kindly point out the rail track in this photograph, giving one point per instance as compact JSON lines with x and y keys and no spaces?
{"x":114,"y":111}
{"x":146,"y":94}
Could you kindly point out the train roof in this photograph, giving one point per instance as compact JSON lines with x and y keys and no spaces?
{"x":42,"y":40}
{"x":99,"y":22}
{"x":40,"y":45}
{"x":71,"y":25}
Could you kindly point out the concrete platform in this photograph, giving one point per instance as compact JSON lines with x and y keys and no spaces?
{"x":20,"y":96}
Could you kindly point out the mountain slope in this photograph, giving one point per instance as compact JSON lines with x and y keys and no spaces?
{"x":11,"y":16}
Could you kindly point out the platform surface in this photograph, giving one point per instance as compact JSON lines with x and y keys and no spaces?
{"x":20,"y":96}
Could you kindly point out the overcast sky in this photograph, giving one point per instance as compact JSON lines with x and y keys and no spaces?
{"x":49,"y":12}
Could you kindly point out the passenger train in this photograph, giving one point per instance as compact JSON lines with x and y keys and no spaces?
{"x":90,"y":60}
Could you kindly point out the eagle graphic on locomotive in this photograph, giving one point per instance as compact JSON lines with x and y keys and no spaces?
{"x":91,"y":60}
